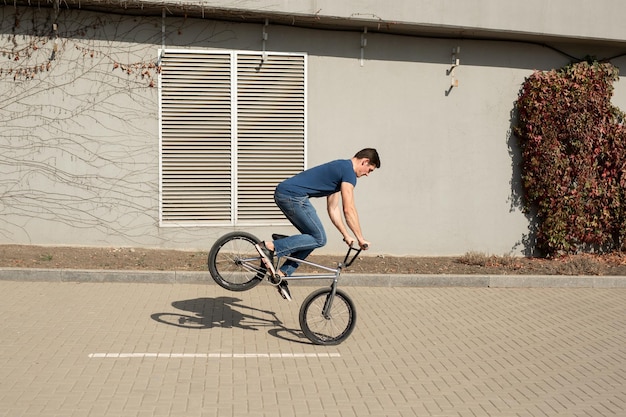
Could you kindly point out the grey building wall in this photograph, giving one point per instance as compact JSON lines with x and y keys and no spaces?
{"x":530,"y":19}
{"x":79,"y":159}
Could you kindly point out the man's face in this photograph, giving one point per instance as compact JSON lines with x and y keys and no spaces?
{"x":364,"y":168}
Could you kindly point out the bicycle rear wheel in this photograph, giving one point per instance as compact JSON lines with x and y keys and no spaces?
{"x":330,"y":329}
{"x":234,"y":263}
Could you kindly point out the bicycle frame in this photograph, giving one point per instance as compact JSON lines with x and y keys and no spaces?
{"x":334,"y":273}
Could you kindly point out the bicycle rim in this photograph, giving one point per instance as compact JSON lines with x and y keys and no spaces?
{"x":333,"y":328}
{"x":234,"y":263}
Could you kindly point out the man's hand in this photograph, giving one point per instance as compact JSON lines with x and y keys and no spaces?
{"x":364,"y":244}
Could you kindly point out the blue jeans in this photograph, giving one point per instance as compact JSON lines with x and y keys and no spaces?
{"x":301,"y":213}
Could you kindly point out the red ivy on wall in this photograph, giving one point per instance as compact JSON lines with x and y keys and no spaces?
{"x":573,"y":148}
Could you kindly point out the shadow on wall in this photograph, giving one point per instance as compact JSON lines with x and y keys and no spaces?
{"x":528,"y":242}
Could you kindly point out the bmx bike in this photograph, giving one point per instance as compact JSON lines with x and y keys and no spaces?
{"x":327,"y":316}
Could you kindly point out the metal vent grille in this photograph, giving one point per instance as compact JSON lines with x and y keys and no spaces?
{"x":232,"y":127}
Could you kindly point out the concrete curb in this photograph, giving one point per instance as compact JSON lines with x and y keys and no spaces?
{"x":347,"y":279}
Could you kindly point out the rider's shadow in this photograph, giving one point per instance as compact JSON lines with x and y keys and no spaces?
{"x":224,"y":312}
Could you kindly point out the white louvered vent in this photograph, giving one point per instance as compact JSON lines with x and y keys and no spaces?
{"x":209,"y":120}
{"x":270,"y":130}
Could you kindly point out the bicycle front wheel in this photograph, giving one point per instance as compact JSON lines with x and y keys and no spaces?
{"x":234,"y":263}
{"x":331,"y":328}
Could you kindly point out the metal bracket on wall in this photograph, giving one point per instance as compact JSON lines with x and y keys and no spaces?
{"x":456,"y":61}
{"x":363,"y":45}
{"x":265,"y":36}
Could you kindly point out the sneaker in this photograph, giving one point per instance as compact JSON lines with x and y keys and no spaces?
{"x":267,"y":256}
{"x":283,"y":290}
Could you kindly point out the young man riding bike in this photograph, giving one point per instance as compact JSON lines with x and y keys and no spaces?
{"x":334,"y":180}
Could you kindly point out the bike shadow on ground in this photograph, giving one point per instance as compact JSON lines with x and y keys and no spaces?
{"x":226,"y":312}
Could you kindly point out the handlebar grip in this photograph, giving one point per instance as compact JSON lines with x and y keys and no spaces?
{"x":366,"y":246}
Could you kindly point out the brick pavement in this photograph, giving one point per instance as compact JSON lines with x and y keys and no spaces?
{"x":123,"y":349}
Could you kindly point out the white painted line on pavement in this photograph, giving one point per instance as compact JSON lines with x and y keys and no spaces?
{"x":213,"y":355}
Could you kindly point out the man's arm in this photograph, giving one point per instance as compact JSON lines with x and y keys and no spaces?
{"x":349,"y":212}
{"x":334,"y":212}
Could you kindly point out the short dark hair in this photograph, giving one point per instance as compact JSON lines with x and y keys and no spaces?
{"x":369,"y":153}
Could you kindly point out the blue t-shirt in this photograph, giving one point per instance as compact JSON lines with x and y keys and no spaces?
{"x":320,"y":181}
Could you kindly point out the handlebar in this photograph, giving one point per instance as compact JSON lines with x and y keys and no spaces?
{"x":349,"y":258}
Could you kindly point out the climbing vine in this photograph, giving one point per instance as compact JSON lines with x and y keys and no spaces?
{"x":79,"y":123}
{"x":573,"y":147}
{"x":34,"y":46}
{"x":73,"y":153}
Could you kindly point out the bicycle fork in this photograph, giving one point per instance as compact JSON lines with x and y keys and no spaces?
{"x":347,"y":261}
{"x":329,"y":300}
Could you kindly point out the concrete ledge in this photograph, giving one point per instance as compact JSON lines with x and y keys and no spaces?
{"x":355,"y":280}
{"x":81,"y":275}
{"x":557,"y":281}
{"x":402,"y":280}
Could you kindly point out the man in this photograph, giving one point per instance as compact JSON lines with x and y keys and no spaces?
{"x":334,"y":180}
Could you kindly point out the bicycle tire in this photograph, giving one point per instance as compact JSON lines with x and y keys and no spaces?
{"x":234,"y":263}
{"x":330,"y":330}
